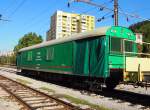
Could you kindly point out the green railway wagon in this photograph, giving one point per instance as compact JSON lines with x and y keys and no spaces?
{"x":97,"y":55}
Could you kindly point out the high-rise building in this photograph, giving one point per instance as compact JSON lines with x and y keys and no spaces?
{"x":64,"y":24}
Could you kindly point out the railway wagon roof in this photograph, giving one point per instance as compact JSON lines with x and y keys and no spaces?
{"x":97,"y":32}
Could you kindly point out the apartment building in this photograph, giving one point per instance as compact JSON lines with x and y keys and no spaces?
{"x":64,"y":24}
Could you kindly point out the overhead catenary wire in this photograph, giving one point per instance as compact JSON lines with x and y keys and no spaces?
{"x":36,"y":20}
{"x":108,"y":9}
{"x":17,"y":8}
{"x":2,"y":19}
{"x":105,"y":3}
{"x":5,"y":11}
{"x":99,"y":18}
{"x":104,"y":17}
{"x":10,"y":5}
{"x":43,"y":12}
{"x":127,"y":18}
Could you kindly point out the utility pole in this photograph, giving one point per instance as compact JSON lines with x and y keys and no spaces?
{"x":116,"y":12}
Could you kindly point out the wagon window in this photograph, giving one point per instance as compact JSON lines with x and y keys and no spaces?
{"x":50,"y":53}
{"x":116,"y":44}
{"x":29,"y":56}
{"x":128,"y":46}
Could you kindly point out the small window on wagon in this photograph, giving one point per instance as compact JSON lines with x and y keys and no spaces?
{"x":116,"y":45}
{"x":128,"y":46}
{"x":50,"y":53}
{"x":29,"y":56}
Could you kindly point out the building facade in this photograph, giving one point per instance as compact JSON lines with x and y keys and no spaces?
{"x":64,"y":24}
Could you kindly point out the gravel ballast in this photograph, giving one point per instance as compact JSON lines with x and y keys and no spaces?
{"x":6,"y":103}
{"x":106,"y":102}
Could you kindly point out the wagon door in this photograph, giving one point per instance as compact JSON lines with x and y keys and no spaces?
{"x":90,"y":57}
{"x":98,"y":57}
{"x":81,"y":58}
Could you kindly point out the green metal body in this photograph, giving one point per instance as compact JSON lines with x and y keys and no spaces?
{"x":116,"y":60}
{"x":86,"y":57}
{"x":60,"y":61}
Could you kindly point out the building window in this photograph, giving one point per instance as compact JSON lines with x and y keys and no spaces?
{"x":50,"y":53}
{"x":64,"y":16}
{"x":29,"y":56}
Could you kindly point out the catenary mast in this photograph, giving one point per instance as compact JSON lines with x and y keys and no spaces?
{"x":116,"y":12}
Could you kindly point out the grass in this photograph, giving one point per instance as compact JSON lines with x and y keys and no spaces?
{"x":47,"y":89}
{"x":83,"y":102}
{"x":25,"y":82}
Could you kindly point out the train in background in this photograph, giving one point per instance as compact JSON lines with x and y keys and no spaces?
{"x":105,"y":55}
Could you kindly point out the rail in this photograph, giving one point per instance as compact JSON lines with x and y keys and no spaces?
{"x":32,"y":99}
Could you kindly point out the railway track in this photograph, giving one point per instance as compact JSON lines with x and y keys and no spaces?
{"x":32,"y":99}
{"x":123,"y":96}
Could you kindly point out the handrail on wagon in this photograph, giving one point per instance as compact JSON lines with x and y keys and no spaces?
{"x":138,"y":53}
{"x":137,"y":42}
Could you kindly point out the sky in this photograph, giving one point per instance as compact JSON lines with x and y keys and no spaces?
{"x":34,"y":16}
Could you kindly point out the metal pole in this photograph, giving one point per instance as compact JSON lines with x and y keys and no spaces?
{"x":116,"y":12}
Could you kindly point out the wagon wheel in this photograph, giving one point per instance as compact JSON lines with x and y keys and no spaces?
{"x":111,"y":83}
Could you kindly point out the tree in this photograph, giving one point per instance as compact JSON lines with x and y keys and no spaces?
{"x":144,"y":28}
{"x":28,"y":40}
{"x":8,"y":59}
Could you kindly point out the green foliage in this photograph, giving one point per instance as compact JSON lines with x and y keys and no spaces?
{"x":8,"y":60}
{"x":82,"y":102}
{"x":3,"y":59}
{"x":47,"y":89}
{"x":28,"y":40}
{"x":144,"y":28}
{"x":25,"y":82}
